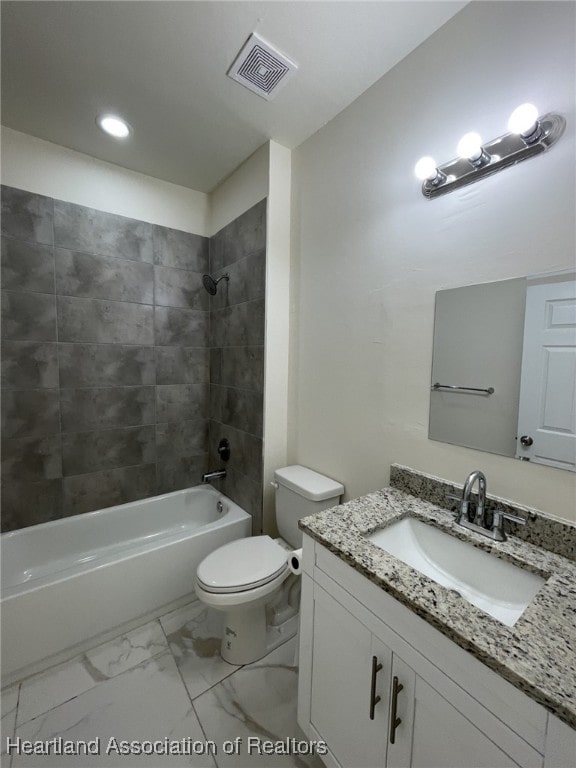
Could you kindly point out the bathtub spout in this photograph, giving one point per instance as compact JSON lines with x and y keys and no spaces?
{"x":216,"y":475}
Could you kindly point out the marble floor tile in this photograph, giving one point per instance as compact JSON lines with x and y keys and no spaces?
{"x":283,"y":656}
{"x":65,"y":681}
{"x":257,"y":702}
{"x":9,"y":707}
{"x":194,"y":634}
{"x":144,"y":704}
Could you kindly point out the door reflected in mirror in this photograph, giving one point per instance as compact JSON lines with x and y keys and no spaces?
{"x":504,"y":368}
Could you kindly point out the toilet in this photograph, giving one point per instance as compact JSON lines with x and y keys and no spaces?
{"x":247,"y":577}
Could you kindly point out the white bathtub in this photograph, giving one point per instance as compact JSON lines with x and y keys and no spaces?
{"x":72,"y":580}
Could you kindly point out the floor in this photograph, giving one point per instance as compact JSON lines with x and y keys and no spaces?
{"x":163,"y":681}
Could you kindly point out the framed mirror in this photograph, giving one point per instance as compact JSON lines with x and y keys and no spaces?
{"x":504,"y":368}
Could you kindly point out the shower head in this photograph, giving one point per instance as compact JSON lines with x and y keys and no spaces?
{"x":211,"y":285}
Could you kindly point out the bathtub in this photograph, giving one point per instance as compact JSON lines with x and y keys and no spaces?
{"x":67,"y":582}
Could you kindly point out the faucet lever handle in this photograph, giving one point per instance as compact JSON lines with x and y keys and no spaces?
{"x":498,"y":518}
{"x":500,"y":514}
{"x":457,"y":512}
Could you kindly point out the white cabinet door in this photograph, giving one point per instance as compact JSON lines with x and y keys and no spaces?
{"x":342,"y":691}
{"x":444,"y":738}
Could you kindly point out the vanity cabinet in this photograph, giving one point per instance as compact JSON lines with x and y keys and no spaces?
{"x":383,"y":688}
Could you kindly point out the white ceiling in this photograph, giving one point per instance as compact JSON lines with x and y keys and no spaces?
{"x":162,"y":65}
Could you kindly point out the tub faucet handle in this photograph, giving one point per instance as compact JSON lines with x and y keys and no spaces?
{"x":218,"y":474}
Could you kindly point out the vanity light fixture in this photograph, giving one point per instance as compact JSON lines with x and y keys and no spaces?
{"x":528,"y":135}
{"x":114,"y":126}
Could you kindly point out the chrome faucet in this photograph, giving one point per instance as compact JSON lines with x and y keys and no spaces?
{"x":467,"y":492}
{"x":218,"y":474}
{"x":497,"y":532}
{"x":479,"y":523}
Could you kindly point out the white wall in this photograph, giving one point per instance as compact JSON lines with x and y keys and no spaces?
{"x":371,"y":252}
{"x":47,"y":169}
{"x":245,"y":187}
{"x":277,"y":340}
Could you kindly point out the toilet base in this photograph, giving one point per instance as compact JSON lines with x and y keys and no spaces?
{"x":246,"y":637}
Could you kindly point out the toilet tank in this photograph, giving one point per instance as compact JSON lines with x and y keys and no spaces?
{"x":299,"y":492}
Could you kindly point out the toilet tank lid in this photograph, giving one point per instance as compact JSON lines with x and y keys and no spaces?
{"x":309,"y":484}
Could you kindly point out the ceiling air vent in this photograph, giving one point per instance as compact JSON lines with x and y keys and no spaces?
{"x":261,"y":68}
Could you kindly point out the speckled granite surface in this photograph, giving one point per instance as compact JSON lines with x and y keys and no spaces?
{"x":537,"y":655}
{"x":543,"y":530}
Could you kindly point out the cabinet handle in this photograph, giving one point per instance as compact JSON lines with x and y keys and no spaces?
{"x":373,"y":698}
{"x":395,"y":721}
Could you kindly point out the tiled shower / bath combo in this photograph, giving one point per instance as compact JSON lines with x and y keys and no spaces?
{"x":119,"y":372}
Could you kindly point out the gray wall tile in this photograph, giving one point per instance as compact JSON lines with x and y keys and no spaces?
{"x":181,"y":402}
{"x":182,"y":365}
{"x":25,"y":503}
{"x":246,"y":493}
{"x":85,"y":229}
{"x":240,"y":238}
{"x":247,"y":281}
{"x":103,"y":277}
{"x":179,"y":288}
{"x":27,"y":216}
{"x":245,"y":450}
{"x":174,"y":248}
{"x":29,"y":365}
{"x":239,"y":408}
{"x":27,"y":266}
{"x":79,"y":329}
{"x":84,"y":452}
{"x":111,"y":322}
{"x":97,"y":490}
{"x":241,"y":367}
{"x":216,"y":365}
{"x":105,"y":365}
{"x":184,"y":438}
{"x":31,"y":459}
{"x":237,"y":326}
{"x":180,"y":327}
{"x":180,"y":473}
{"x":84,"y":410}
{"x":30,"y":412}
{"x":28,"y":316}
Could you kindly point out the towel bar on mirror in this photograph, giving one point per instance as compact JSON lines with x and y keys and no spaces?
{"x":487,"y":390}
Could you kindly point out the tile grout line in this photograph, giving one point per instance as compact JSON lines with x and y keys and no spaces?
{"x":57,"y":340}
{"x":190,"y":699}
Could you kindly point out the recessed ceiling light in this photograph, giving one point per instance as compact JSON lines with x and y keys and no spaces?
{"x":113,"y":126}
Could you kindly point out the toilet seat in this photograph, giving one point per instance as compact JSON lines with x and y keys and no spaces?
{"x":243,"y":565}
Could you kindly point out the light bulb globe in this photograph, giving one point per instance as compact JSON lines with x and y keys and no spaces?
{"x":425,"y":169}
{"x":470,"y":146}
{"x":523,"y":120}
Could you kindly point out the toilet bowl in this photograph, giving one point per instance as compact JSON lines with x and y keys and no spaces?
{"x":246,"y":576}
{"x":241,"y":580}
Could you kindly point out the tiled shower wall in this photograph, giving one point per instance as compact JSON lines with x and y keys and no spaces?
{"x":237,"y":356}
{"x":105,"y":358}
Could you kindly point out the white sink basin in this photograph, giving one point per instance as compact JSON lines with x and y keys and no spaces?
{"x":495,"y":586}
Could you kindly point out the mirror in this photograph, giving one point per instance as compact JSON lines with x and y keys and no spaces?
{"x":504,"y":368}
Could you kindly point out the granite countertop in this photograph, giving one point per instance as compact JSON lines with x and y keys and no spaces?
{"x":537,"y":654}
